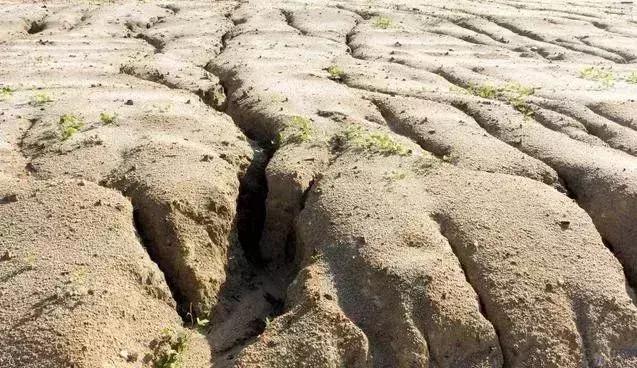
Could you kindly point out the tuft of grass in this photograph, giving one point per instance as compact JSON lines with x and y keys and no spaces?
{"x":108,"y":119}
{"x":632,"y":78}
{"x":169,"y":349}
{"x":298,"y":130}
{"x":40,"y":98}
{"x":604,"y":76}
{"x":375,"y":142}
{"x":336,"y":72}
{"x":382,"y":22}
{"x":6,"y":92}
{"x":70,"y":124}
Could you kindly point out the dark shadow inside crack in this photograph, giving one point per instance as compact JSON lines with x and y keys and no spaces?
{"x":36,"y":27}
{"x":253,"y":192}
{"x":145,"y":240}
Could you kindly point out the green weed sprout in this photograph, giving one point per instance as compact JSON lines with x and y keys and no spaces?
{"x":298,"y":130}
{"x":170,"y":349}
{"x":40,"y":98}
{"x":201,"y":323}
{"x":6,"y":92}
{"x":375,"y":142}
{"x":605,"y":77}
{"x":335,"y":72}
{"x":70,"y":124}
{"x":382,"y":22}
{"x":514,"y":93}
{"x":632,"y":78}
{"x":517,"y":95}
{"x":107,"y":118}
{"x":485,"y":91}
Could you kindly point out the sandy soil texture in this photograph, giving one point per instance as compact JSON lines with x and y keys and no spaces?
{"x":329,"y":183}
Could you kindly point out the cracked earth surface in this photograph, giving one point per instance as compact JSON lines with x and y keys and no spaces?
{"x":318,"y":184}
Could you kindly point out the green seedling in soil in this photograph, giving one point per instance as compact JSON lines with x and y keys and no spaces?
{"x":108,"y":119}
{"x":202,"y":323}
{"x":6,"y":92}
{"x":375,"y":142}
{"x":514,"y":93}
{"x":40,"y":99}
{"x":517,"y":95}
{"x":298,"y":130}
{"x":605,"y":77}
{"x":70,"y":124}
{"x":218,"y":98}
{"x":29,"y":260}
{"x":451,"y":158}
{"x":382,"y":22}
{"x":394,"y":175}
{"x":169,"y":349}
{"x":335,"y":72}
{"x":485,"y":91}
{"x":632,"y":78}
{"x":391,"y":177}
{"x":425,"y":164}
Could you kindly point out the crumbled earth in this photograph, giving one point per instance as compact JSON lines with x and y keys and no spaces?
{"x":360,"y":183}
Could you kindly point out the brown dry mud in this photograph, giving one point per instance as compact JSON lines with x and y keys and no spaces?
{"x":318,"y":184}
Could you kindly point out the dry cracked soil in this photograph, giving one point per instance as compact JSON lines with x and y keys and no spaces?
{"x":323,"y":183}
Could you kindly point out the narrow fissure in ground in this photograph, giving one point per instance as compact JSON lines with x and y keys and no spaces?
{"x":444,"y":231}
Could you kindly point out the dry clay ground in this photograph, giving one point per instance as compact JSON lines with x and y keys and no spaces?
{"x":318,"y":184}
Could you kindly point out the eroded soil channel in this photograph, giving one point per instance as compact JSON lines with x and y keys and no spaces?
{"x":326,"y":184}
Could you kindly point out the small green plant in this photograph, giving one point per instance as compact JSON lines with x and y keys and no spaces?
{"x":604,"y":76}
{"x":6,"y":92}
{"x":107,"y":118}
{"x":202,"y":323}
{"x":335,"y":72}
{"x":394,"y":175}
{"x":70,"y":124}
{"x":632,"y":78}
{"x":40,"y":98}
{"x":298,"y":130}
{"x":375,"y":142}
{"x":425,"y":164}
{"x":30,"y":259}
{"x":485,"y":91}
{"x":451,"y":158}
{"x":514,"y":93}
{"x":382,"y":22}
{"x":218,"y":98}
{"x":517,"y":95}
{"x":169,"y":349}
